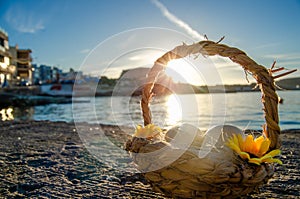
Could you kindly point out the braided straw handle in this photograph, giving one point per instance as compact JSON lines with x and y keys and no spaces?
{"x":209,"y":48}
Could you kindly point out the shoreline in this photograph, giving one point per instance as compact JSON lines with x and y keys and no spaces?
{"x":32,"y":96}
{"x":48,"y":160}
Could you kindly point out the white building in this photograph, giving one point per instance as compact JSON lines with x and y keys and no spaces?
{"x":21,"y":59}
{"x":6,"y":70}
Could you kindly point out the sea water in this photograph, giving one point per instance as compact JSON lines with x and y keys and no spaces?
{"x":244,"y":110}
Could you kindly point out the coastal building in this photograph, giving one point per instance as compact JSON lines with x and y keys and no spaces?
{"x":21,"y":59}
{"x":45,"y":74}
{"x":71,"y":75}
{"x":56,"y":74}
{"x":35,"y":74}
{"x":6,"y":70}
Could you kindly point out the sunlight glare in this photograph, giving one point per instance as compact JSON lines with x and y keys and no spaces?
{"x":174,"y":110}
{"x":183,"y":71}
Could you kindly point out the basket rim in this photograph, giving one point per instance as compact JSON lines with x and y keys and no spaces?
{"x":261,"y":74}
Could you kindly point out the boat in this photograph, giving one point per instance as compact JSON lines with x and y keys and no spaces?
{"x":66,"y":90}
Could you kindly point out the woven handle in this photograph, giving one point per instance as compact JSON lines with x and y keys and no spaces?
{"x":209,"y":48}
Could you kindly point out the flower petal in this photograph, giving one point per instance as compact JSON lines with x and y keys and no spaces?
{"x":241,"y":141}
{"x":258,"y":141}
{"x":265,"y":157}
{"x":234,"y":147}
{"x":272,"y":160}
{"x":235,"y":140}
{"x":271,"y":154}
{"x":255,"y":161}
{"x":274,"y":152}
{"x":249,"y":143}
{"x":264,"y":147}
{"x":244,"y":155}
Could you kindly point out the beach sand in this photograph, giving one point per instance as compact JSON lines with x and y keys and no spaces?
{"x":42,"y":159}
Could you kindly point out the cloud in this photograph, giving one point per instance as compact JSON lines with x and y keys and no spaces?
{"x":23,"y":20}
{"x":288,"y":63}
{"x":172,"y":18}
{"x":114,"y":72}
{"x":286,"y":56}
{"x":85,"y":51}
{"x":268,"y":45}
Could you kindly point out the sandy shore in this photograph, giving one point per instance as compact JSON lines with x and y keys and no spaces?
{"x":48,"y":160}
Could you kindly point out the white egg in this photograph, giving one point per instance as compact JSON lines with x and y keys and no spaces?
{"x":183,"y":135}
{"x":216,"y":138}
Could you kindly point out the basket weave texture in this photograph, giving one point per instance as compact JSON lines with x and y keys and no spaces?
{"x":221,"y":174}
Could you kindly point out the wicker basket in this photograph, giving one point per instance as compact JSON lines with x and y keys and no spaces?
{"x":222,"y":173}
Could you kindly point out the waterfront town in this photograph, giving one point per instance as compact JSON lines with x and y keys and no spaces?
{"x":17,"y":68}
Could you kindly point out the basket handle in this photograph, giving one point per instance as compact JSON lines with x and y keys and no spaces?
{"x":209,"y":48}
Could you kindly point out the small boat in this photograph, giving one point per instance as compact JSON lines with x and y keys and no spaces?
{"x":66,"y":90}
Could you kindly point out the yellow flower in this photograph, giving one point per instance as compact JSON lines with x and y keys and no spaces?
{"x":148,"y":131}
{"x":247,"y":147}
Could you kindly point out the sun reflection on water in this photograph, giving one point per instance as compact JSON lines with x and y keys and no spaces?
{"x":7,"y":114}
{"x":174,"y":110}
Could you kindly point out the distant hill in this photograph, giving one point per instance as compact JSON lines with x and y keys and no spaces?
{"x":289,"y":83}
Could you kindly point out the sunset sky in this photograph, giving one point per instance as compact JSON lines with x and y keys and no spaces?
{"x":104,"y":37}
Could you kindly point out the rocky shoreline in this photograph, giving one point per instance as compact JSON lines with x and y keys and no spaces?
{"x":42,"y":159}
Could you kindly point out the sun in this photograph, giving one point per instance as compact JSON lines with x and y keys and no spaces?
{"x":181,"y":70}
